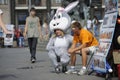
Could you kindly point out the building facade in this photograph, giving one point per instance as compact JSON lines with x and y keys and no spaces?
{"x":22,"y":8}
{"x":16,"y":11}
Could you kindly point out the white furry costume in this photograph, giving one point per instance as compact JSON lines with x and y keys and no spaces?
{"x":58,"y":46}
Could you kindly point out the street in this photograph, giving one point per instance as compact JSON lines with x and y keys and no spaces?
{"x":15,"y":65}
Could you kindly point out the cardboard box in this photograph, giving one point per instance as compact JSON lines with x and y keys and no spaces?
{"x":14,"y":44}
{"x":116,"y":57}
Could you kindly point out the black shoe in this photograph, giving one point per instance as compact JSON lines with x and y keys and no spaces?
{"x":58,"y":59}
{"x":64,"y":69}
{"x":57,"y":70}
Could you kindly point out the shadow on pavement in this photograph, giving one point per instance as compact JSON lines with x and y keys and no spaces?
{"x":7,"y":76}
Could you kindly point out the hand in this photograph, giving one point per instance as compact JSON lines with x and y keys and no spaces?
{"x":41,"y":37}
{"x":71,"y":51}
{"x":24,"y":34}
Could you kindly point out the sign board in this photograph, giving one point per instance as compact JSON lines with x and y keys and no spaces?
{"x":106,"y":35}
{"x":8,"y":38}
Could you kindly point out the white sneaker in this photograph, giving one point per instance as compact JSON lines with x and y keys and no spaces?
{"x":82,"y":72}
{"x":33,"y":61}
{"x":57,"y":70}
{"x":71,"y":71}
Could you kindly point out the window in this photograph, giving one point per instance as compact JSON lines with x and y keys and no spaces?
{"x":36,"y":2}
{"x":22,"y":18}
{"x":98,"y":13}
{"x":3,"y":2}
{"x":58,"y":1}
{"x":21,"y":1}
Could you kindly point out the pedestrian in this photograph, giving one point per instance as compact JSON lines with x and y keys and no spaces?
{"x":45,"y":30}
{"x":95,"y":23}
{"x":87,"y":45}
{"x":89,"y":25}
{"x":2,"y":25}
{"x":60,"y":41}
{"x":58,"y":45}
{"x":33,"y":31}
{"x":17,"y":35}
{"x":21,"y":39}
{"x":14,"y":38}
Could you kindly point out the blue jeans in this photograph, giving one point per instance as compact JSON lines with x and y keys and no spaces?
{"x":21,"y":41}
{"x":96,"y":32}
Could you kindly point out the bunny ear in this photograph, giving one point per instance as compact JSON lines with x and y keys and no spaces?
{"x":71,"y":6}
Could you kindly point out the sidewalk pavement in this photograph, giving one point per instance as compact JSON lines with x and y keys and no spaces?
{"x":15,"y":65}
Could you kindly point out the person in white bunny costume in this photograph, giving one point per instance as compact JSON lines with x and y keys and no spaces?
{"x":59,"y":43}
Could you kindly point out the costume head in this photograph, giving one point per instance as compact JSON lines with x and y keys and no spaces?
{"x":61,"y":19}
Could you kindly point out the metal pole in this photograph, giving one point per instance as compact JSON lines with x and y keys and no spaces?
{"x":48,"y":5}
{"x":29,"y":5}
{"x":85,"y":9}
{"x":12,"y":9}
